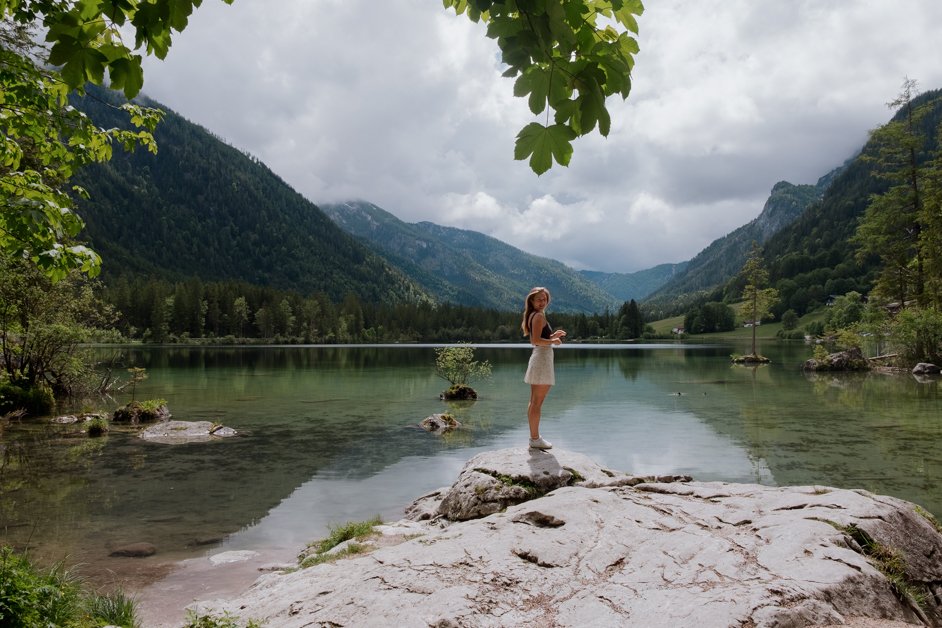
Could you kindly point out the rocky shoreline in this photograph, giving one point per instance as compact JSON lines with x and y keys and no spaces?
{"x":553,"y":539}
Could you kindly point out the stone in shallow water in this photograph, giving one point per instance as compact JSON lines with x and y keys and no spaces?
{"x":178,"y":432}
{"x":135,"y":550}
{"x":235,"y":556}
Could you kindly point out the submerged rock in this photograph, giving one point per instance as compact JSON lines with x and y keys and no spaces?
{"x":440,"y":423}
{"x":595,"y":547}
{"x":135,"y":550}
{"x":178,"y":432}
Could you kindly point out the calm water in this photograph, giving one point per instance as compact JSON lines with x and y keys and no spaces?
{"x":328,"y":435}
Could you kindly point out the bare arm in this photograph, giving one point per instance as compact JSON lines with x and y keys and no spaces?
{"x":536,"y":327}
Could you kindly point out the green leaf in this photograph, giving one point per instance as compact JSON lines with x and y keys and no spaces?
{"x":544,"y":144}
{"x":535,"y":81}
{"x":127,"y":75}
{"x":180,"y":11}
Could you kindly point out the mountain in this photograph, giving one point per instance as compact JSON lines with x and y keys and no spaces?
{"x":467,"y":267}
{"x":807,"y":233}
{"x":815,"y":256}
{"x":201,"y":208}
{"x":725,"y":256}
{"x":636,"y":285}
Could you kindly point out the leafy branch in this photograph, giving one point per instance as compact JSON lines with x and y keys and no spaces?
{"x":565,"y":60}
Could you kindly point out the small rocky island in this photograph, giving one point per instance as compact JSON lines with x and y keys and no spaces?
{"x":527,"y":538}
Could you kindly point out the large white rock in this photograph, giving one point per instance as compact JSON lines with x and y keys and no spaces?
{"x":652,"y":554}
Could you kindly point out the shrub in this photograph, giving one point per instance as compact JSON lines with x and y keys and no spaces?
{"x":29,"y":597}
{"x":97,"y":426}
{"x":917,"y":335}
{"x":34,"y":401}
{"x":458,"y":366}
{"x":114,"y":609}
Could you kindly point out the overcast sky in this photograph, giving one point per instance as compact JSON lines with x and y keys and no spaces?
{"x":401,"y":103}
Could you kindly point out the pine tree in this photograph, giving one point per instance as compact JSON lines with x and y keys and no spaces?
{"x":893,"y":222}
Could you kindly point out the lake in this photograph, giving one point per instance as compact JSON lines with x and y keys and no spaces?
{"x":328,"y":434}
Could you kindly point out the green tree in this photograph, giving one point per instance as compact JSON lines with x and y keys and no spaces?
{"x":757,"y":299}
{"x":892,"y":224}
{"x":457,"y":365}
{"x":916,"y":334}
{"x":566,"y":55}
{"x":930,"y":236}
{"x":789,"y":320}
{"x":709,"y":318}
{"x":630,"y":322}
{"x":846,"y":310}
{"x":240,"y":315}
{"x":46,"y":141}
{"x":43,"y":325}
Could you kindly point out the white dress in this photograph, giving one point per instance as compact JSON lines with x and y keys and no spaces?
{"x":540,"y":368}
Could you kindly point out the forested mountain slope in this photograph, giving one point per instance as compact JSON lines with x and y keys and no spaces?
{"x":636,"y":285}
{"x":202,"y":209}
{"x":811,"y":255}
{"x":724,"y":257}
{"x":467,"y":267}
{"x":815,"y":256}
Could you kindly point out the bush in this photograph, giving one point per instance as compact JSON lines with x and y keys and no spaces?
{"x":32,"y":597}
{"x":97,"y":426}
{"x":114,"y":609}
{"x":458,"y":366}
{"x":917,"y":335}
{"x":35,"y":401}
{"x":29,"y":597}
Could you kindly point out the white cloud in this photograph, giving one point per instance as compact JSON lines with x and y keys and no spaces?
{"x":401,"y":103}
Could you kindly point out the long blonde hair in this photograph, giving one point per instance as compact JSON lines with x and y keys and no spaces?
{"x":528,"y":308}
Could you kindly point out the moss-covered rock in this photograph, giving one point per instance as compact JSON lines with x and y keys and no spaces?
{"x":850,"y":360}
{"x":460,"y":392}
{"x":142,"y":412}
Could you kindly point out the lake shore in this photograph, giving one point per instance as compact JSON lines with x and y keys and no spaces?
{"x":608,"y":549}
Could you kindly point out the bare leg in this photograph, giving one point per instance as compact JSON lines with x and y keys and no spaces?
{"x":538,"y":393}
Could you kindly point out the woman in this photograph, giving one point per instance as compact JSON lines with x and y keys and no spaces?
{"x":540,"y":373}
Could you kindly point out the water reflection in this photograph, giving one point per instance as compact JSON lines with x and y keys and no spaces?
{"x":329,"y":434}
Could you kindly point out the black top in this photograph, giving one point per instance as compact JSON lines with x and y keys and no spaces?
{"x":547,"y":332}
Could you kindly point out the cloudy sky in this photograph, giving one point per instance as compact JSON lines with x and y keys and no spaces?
{"x":401,"y":103}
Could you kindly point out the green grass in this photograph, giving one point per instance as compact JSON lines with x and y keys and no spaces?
{"x":115,"y":609}
{"x":317,"y":551}
{"x":665,"y":325}
{"x":226,"y":620}
{"x":765,"y":331}
{"x":31,"y":596}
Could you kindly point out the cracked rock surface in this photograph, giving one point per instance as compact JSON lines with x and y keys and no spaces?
{"x":592,"y":547}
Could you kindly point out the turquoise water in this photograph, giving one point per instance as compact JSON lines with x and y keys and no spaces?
{"x":329,"y":434}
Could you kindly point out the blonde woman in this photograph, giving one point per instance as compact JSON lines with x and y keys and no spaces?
{"x":540,"y":374}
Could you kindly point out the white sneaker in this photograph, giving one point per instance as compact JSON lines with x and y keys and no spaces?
{"x":539,"y":443}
